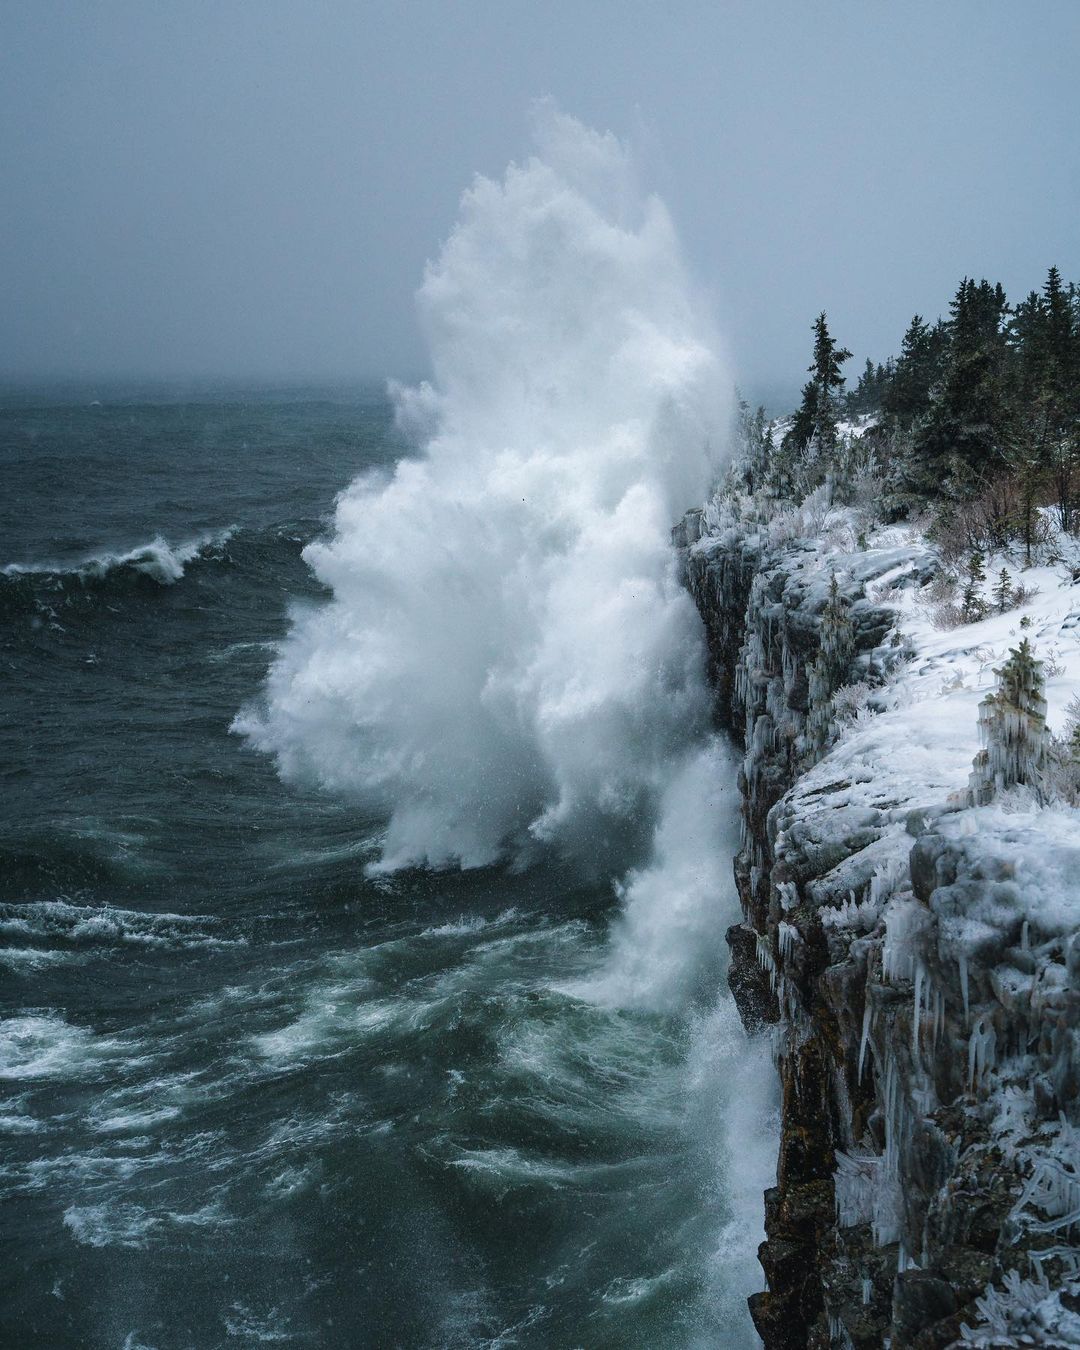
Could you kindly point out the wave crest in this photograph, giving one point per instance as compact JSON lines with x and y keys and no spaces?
{"x":158,"y":560}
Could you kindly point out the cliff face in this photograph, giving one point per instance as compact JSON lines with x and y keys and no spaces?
{"x":914,"y":959}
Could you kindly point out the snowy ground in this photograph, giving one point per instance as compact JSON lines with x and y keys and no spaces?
{"x":921,"y":749}
{"x":915,"y":753}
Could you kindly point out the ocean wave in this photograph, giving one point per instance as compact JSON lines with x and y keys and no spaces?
{"x":125,"y":1224}
{"x":43,"y":1044}
{"x":157,"y":560}
{"x":102,"y":925}
{"x":516,"y":578}
{"x":121,"y":1225}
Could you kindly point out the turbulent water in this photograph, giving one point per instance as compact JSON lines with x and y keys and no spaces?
{"x":408,"y":1032}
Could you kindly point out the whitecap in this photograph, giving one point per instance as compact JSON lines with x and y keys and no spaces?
{"x":45,"y":1045}
{"x":158,"y":559}
{"x":268,"y":1327}
{"x":110,"y":1225}
{"x":106,"y":925}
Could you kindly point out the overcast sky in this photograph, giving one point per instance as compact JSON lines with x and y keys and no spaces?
{"x":251,"y":188}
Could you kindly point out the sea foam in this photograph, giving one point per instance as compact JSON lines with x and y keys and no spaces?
{"x":508,"y":660}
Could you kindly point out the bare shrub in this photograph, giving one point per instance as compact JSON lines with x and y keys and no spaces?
{"x":784,"y":527}
{"x":815,"y":511}
{"x":945,"y":615}
{"x":1003,"y":513}
{"x":1063,"y":770}
{"x":1071,"y":732}
{"x":850,"y":703}
{"x":838,"y":534}
{"x":944,"y":586}
{"x":1053,"y":664}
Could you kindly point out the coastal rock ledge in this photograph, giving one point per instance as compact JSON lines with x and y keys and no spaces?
{"x":913,"y":957}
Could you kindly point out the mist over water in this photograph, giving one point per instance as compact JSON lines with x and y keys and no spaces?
{"x":509,"y":658}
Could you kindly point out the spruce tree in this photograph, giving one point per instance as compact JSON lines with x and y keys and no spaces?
{"x":1057,"y":398}
{"x":1012,"y":728}
{"x":959,"y":448}
{"x":973,"y":606}
{"x":907,"y":397}
{"x":813,"y":432}
{"x":870,"y":390}
{"x":1041,"y":428}
{"x":1003,"y":591}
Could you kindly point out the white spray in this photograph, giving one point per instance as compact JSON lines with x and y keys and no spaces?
{"x":509,"y":659}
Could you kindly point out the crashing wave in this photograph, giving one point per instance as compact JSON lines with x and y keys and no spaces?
{"x":509,"y":659}
{"x":158,"y":560}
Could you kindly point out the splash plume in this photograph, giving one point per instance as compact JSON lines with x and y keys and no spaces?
{"x":508,"y":660}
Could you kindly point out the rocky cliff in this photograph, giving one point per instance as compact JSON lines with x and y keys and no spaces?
{"x":913,"y":957}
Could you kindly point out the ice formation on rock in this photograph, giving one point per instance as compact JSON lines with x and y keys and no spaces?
{"x":916,"y":941}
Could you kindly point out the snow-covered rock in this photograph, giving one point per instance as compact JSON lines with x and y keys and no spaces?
{"x":916,"y":955}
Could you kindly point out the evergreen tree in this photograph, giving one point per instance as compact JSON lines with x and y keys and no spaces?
{"x":1012,"y":728}
{"x":960,"y":446}
{"x":813,"y":433}
{"x":1056,"y":397}
{"x":754,"y":447}
{"x":871,"y":388}
{"x":973,"y":606}
{"x":918,"y":370}
{"x":1003,"y":591}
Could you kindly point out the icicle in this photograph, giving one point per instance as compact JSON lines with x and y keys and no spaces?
{"x":867,"y":1291}
{"x":856,"y":1183}
{"x":962,"y":960}
{"x":788,"y":936}
{"x":765,"y":957}
{"x":867,"y":1027}
{"x":1025,"y":937}
{"x":981,"y":1052}
{"x":918,"y":1008}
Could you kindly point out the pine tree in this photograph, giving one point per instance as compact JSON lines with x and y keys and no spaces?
{"x":754,"y":447}
{"x":1012,"y":728}
{"x":1057,"y":398}
{"x":813,"y":431}
{"x":959,"y":448}
{"x":973,"y":607}
{"x":917,"y":373}
{"x":828,"y":358}
{"x":1039,"y":434}
{"x":1003,"y":591}
{"x":870,"y":390}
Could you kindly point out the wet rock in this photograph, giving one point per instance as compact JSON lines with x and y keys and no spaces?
{"x":921,"y":1299}
{"x":749,"y":983}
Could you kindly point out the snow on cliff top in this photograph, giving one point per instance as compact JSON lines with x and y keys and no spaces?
{"x":918,"y":753}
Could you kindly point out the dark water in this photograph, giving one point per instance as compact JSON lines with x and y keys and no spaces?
{"x":250,"y":1095}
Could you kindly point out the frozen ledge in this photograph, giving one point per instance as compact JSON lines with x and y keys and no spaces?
{"x":915,"y":958}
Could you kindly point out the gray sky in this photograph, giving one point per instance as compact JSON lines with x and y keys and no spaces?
{"x":251,"y":188}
